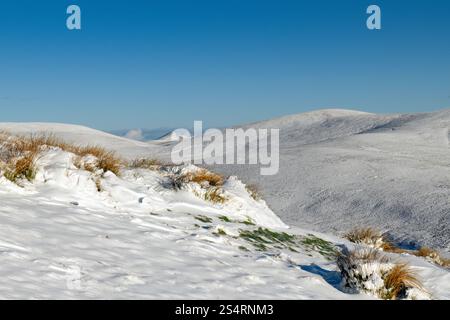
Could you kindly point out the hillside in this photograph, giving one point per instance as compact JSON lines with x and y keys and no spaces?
{"x":340,"y":169}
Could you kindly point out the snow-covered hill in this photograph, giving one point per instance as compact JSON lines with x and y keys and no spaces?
{"x":81,"y":135}
{"x":142,"y":134}
{"x":81,"y":233}
{"x":340,"y":169}
{"x":77,"y":233}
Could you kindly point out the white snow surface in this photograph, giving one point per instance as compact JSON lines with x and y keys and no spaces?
{"x":61,"y":238}
{"x":341,"y":169}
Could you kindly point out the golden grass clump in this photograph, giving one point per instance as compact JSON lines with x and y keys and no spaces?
{"x":23,"y":167}
{"x":368,"y":270}
{"x":106,"y":160}
{"x":18,"y":154}
{"x":18,"y":157}
{"x":376,"y":239}
{"x":204,"y":178}
{"x":432,"y":255}
{"x":215,"y":195}
{"x":253,"y":190}
{"x":366,"y":255}
{"x":368,"y":236}
{"x":398,"y":280}
{"x":210,"y":184}
{"x":145,"y":163}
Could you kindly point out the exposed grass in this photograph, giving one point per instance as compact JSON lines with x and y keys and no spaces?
{"x":220,"y":232}
{"x":225,"y":219}
{"x":204,"y":219}
{"x":106,"y":160}
{"x":210,"y":182}
{"x":205,"y":177}
{"x":370,"y":237}
{"x":145,"y":163}
{"x":262,"y":237}
{"x":376,"y":239}
{"x":432,"y":255}
{"x":215,"y":195}
{"x":254,"y":192}
{"x":368,"y":270}
{"x":325,"y":248}
{"x":248,"y":222}
{"x":18,"y":157}
{"x":396,"y":282}
{"x":367,"y":255}
{"x":19,"y":154}
{"x":98,"y":184}
{"x":23,"y":167}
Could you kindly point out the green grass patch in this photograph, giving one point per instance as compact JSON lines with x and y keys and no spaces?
{"x":248,"y":222}
{"x":261,"y":238}
{"x":225,"y":219}
{"x":325,"y":248}
{"x":204,"y":219}
{"x":220,"y":232}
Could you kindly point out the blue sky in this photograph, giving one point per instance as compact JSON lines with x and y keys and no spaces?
{"x":167,"y":63}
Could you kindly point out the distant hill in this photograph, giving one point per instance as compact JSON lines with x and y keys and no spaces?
{"x":142,"y":134}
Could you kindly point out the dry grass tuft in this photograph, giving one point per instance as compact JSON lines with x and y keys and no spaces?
{"x":18,"y":155}
{"x":368,"y":270}
{"x":106,"y":160}
{"x":433,"y":256}
{"x":426,"y":252}
{"x":398,"y":280}
{"x":145,"y":163}
{"x":210,"y":184}
{"x":376,"y":239}
{"x":23,"y":167}
{"x":215,"y":195}
{"x":368,"y":236}
{"x":253,"y":190}
{"x":365,"y":255}
{"x":204,"y":178}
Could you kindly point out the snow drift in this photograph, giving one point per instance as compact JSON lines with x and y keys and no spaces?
{"x":73,"y":232}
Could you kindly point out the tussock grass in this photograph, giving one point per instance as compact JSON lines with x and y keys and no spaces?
{"x":370,"y":237}
{"x":253,"y":191}
{"x":378,"y":240}
{"x":215,"y":195}
{"x":433,"y":256}
{"x":106,"y":160}
{"x":366,"y":255}
{"x":204,"y":178}
{"x":146,"y":163}
{"x":18,"y":157}
{"x":220,"y":232}
{"x":23,"y":167}
{"x":325,"y":248}
{"x":225,"y":219}
{"x":204,"y":219}
{"x":248,"y":222}
{"x":261,"y":238}
{"x":19,"y":153}
{"x":398,"y":280}
{"x":368,"y":270}
{"x":210,"y":183}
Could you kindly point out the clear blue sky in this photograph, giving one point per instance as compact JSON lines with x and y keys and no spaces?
{"x":167,"y":63}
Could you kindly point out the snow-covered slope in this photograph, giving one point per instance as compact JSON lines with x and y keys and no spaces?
{"x":60,"y":237}
{"x":340,"y":169}
{"x":127,"y":148}
{"x":142,"y":134}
